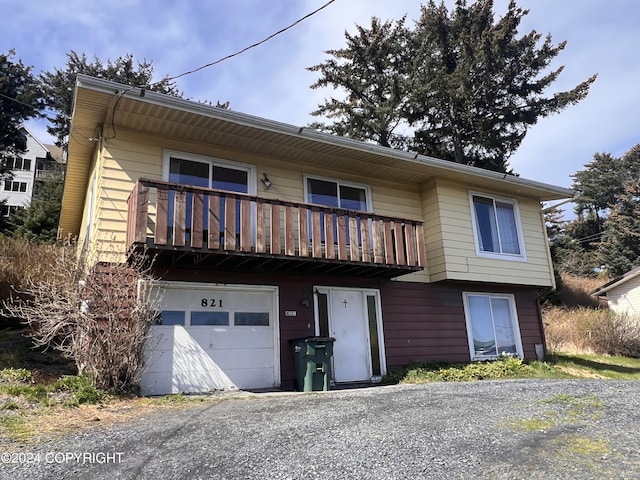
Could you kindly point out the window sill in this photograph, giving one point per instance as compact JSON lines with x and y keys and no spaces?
{"x":501,"y":256}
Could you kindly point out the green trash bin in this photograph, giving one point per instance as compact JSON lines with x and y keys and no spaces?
{"x":311,"y":359}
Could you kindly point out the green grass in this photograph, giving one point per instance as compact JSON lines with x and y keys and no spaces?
{"x":16,"y":427}
{"x":84,"y":392}
{"x":562,"y":366}
{"x":610,"y":367}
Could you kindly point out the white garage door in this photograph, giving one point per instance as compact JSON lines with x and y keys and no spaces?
{"x":213,"y":337}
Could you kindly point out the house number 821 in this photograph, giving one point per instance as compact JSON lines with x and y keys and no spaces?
{"x":211,"y":302}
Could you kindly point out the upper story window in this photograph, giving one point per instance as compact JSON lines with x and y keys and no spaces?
{"x":11,"y":186}
{"x":497,"y":227}
{"x":334,"y":193}
{"x":17,"y":163}
{"x":201,"y":171}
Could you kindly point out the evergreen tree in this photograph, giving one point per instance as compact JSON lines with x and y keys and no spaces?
{"x":603,"y":181}
{"x":604,"y":231}
{"x":620,"y":247}
{"x":373,"y":71}
{"x":39,"y":221}
{"x":20,"y":100}
{"x":467,"y":85}
{"x":59,"y":85}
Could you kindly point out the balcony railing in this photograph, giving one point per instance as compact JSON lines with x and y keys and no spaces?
{"x":167,"y":217}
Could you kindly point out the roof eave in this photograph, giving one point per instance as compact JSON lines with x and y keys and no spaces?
{"x":546,"y":191}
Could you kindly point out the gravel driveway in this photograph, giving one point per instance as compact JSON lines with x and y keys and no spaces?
{"x":520,"y":429}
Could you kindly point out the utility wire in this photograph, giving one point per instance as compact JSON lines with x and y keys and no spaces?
{"x":220,"y":60}
{"x":18,"y":101}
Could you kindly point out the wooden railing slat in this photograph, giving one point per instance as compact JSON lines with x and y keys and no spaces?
{"x":162,"y":212}
{"x":316,"y":239}
{"x":354,"y":250}
{"x":142,"y":209}
{"x":289,"y":234}
{"x":342,"y":238}
{"x":275,"y":229}
{"x":214,"y":222}
{"x":378,"y":242}
{"x":196,"y":220}
{"x":245,"y":225}
{"x":388,"y":242}
{"x":229,"y":223}
{"x":398,"y":243}
{"x":303,"y":232}
{"x":420,"y":245}
{"x":366,"y":242}
{"x":179,"y":218}
{"x":329,"y":237}
{"x":409,"y":235}
{"x":261,"y":227}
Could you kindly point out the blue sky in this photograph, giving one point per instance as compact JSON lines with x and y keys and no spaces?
{"x":272,"y":81}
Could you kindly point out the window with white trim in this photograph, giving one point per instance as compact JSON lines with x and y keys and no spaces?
{"x":492,"y":325}
{"x":334,"y":193}
{"x":208,"y":172}
{"x":497,"y":227}
{"x":339,"y":194}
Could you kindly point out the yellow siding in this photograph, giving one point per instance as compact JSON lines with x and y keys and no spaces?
{"x":131,"y":156}
{"x":443,"y":206}
{"x":461,"y":260}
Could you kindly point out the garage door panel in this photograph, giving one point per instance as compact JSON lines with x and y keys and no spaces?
{"x":159,"y":361}
{"x":156,"y":383}
{"x":234,"y":359}
{"x":233,"y":343}
{"x":242,"y":337}
{"x":161,"y":338}
{"x":251,"y":378}
{"x":201,"y":380}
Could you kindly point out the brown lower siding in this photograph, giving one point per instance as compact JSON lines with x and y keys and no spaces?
{"x":420,"y":321}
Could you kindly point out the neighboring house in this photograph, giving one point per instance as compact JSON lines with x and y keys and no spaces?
{"x":264,"y":232}
{"x":622,"y":293}
{"x":27,"y":170}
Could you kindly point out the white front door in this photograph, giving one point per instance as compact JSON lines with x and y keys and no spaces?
{"x":352,"y":317}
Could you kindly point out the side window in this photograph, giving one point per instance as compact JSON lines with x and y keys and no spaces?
{"x":497,"y":228}
{"x":492,"y":325}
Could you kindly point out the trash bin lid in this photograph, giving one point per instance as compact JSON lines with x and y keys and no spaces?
{"x":311,"y":339}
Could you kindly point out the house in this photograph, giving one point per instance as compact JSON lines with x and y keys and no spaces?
{"x":264,"y":232}
{"x":27,"y":169}
{"x":622,"y":293}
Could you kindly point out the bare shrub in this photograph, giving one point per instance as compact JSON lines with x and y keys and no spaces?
{"x":568,"y":330}
{"x":99,"y":318}
{"x":617,"y":334}
{"x":21,"y":260}
{"x":589,"y":330}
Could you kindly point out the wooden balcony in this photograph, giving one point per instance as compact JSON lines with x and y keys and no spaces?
{"x":233,"y":231}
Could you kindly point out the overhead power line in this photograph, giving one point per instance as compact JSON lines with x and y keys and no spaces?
{"x":18,"y":101}
{"x":220,"y":60}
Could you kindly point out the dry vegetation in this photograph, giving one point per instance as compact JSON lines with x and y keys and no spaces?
{"x":585,"y":325}
{"x":21,"y":261}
